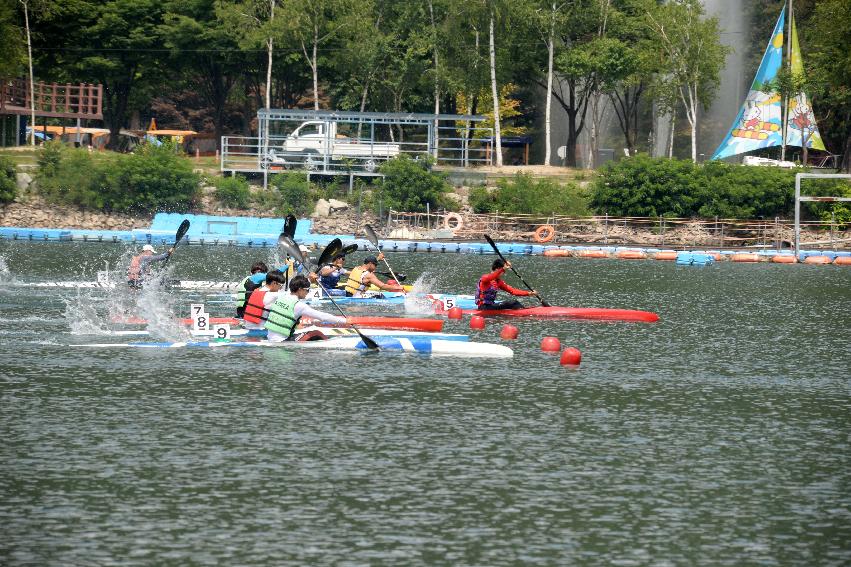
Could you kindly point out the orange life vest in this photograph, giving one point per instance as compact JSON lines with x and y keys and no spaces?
{"x":135,"y":269}
{"x":254,"y":308}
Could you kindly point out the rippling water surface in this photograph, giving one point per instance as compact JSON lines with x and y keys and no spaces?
{"x":718,"y":436}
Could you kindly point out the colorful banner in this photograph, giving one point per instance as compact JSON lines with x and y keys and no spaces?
{"x":802,"y":122}
{"x":759,"y":123}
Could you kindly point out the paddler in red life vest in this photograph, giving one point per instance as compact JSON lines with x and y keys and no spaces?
{"x":361,"y":277}
{"x":261,"y":299}
{"x":140,"y":265}
{"x":251,"y":282}
{"x":490,"y":284}
{"x":286,"y":312}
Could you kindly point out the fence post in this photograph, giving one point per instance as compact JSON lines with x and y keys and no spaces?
{"x":606,"y":228}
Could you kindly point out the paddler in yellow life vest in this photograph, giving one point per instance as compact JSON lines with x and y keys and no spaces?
{"x":361,"y":277}
{"x":287,"y":310}
{"x":140,"y":265}
{"x":251,"y":282}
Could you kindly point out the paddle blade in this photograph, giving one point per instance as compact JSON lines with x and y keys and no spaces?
{"x":370,"y":235}
{"x":330,"y":251}
{"x":290,"y":225}
{"x":289,"y":245}
{"x":351,"y":248}
{"x":181,"y":231}
{"x":368,"y":342}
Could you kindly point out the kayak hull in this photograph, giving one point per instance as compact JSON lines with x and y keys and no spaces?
{"x":328,"y":331}
{"x":406,"y":323}
{"x":421,"y":345}
{"x":591,"y":313}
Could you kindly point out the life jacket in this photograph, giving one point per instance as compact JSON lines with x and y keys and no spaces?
{"x":243,"y":290}
{"x":134,"y":272}
{"x":487,"y":296}
{"x":254,"y":308}
{"x":282,"y":319}
{"x":331,"y":280}
{"x":355,"y":285}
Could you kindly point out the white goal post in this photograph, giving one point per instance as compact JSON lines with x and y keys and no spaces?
{"x":799,"y":198}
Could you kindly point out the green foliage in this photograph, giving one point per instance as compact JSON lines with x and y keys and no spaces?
{"x":233,"y":192}
{"x":525,"y":195}
{"x":152,"y":179}
{"x":8,"y":180}
{"x":288,"y":193}
{"x":409,"y":184}
{"x":647,"y":187}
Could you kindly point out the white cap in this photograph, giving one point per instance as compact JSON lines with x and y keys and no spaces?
{"x":303,"y":248}
{"x":147,"y":248}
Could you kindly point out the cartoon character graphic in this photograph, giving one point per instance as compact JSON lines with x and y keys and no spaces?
{"x":754,"y":125}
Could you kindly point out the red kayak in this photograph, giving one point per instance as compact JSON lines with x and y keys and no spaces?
{"x":402,"y":323}
{"x":570,"y":313}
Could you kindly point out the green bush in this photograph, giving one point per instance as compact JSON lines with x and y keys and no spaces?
{"x":643,"y":186}
{"x":290,"y":193}
{"x":233,"y":192}
{"x":524,"y":195}
{"x":409,"y":184}
{"x":152,"y":179}
{"x":8,"y":180}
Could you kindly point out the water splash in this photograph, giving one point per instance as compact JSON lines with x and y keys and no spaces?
{"x":82,"y":317}
{"x":6,"y":276}
{"x":416,"y":302}
{"x":159,"y":308}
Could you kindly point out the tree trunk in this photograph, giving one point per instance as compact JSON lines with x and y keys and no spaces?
{"x":845,"y":165}
{"x":436,"y":80}
{"x":495,"y":93}
{"x":315,"y":68}
{"x":548,"y":113}
{"x":32,"y":80}
{"x":671,"y":135}
{"x":269,"y":62}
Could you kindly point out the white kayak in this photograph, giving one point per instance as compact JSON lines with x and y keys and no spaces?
{"x":417,"y":345}
{"x":328,"y":331}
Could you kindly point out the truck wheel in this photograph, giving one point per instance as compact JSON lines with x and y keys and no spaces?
{"x":370,"y":166}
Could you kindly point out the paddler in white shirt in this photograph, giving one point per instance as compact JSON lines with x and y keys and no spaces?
{"x":287,"y":310}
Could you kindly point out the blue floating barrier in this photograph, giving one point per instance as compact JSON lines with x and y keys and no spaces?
{"x":694,"y":259}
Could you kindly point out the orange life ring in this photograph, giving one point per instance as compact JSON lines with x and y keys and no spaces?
{"x":449,"y":218}
{"x":544,"y":233}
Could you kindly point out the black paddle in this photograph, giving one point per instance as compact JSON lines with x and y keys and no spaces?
{"x":293,"y":250}
{"x":334,"y":247}
{"x":373,"y":238}
{"x":181,"y":232}
{"x":498,"y":253}
{"x":289,"y":226}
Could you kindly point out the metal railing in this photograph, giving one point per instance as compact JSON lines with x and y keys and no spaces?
{"x":52,"y":99}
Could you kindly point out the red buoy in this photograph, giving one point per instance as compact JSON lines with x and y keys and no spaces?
{"x":476,"y":321}
{"x":571,"y":357}
{"x":508,"y":332}
{"x":455,"y":313}
{"x":550,"y":344}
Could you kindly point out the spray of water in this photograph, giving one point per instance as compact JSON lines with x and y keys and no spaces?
{"x":415,"y":302}
{"x":6,"y":276}
{"x":82,"y":316}
{"x":159,"y":308}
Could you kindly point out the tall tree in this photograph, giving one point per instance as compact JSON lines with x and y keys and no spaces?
{"x":693,"y":52}
{"x":202,"y":48}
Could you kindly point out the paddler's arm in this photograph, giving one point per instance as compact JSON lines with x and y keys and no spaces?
{"x":373,"y":279}
{"x":304,"y":310}
{"x":488,"y":278}
{"x":513,"y":290}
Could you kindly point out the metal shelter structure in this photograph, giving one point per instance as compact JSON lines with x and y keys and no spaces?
{"x":799,"y":198}
{"x":330,"y":142}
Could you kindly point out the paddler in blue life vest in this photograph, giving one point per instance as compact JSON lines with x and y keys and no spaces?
{"x":330,"y":274}
{"x":361,"y":277}
{"x":490,"y":284}
{"x":140,"y":265}
{"x":287,"y":310}
{"x":251,"y":282}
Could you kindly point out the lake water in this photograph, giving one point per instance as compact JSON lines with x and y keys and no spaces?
{"x":717,"y":436}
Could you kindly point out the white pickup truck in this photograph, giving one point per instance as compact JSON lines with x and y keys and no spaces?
{"x":313,"y":141}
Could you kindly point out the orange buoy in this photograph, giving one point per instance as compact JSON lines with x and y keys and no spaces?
{"x":631,"y":255}
{"x":544,"y":233}
{"x":745,"y":257}
{"x":550,"y":344}
{"x":508,"y":332}
{"x":666,"y":255}
{"x":476,"y":322}
{"x":571,"y":357}
{"x":556,"y":253}
{"x":455,"y":313}
{"x":593,"y":254}
{"x":817,"y":260}
{"x":842,"y":261}
{"x":783,"y":259}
